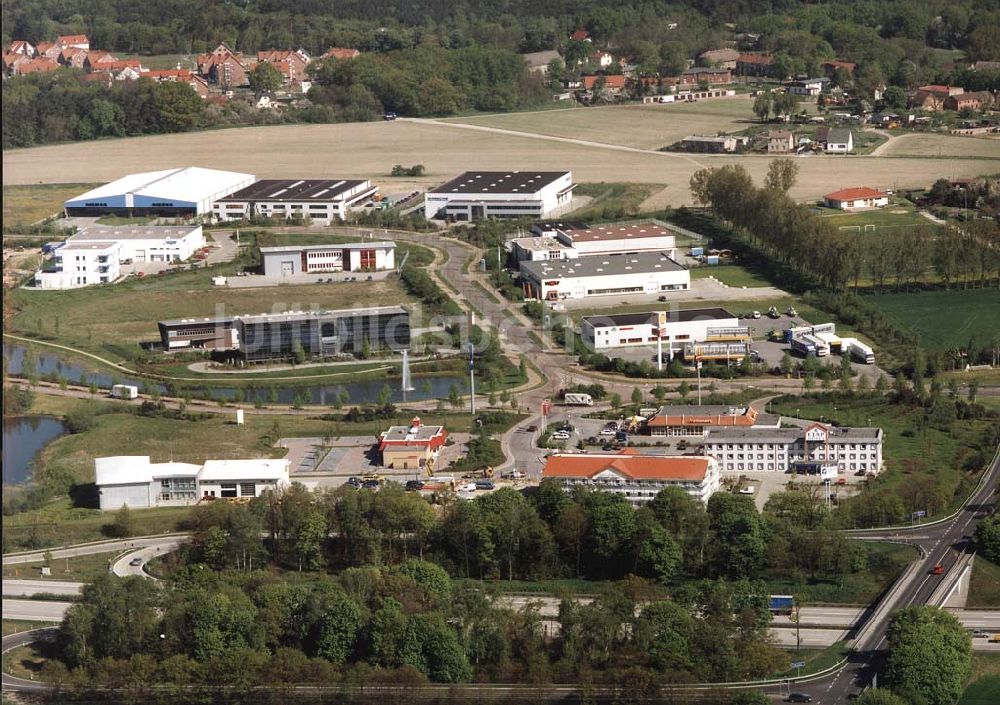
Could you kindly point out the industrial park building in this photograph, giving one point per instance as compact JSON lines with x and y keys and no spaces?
{"x":321,"y":200}
{"x":712,"y":333}
{"x":200,"y":333}
{"x":476,"y":195}
{"x":321,"y":333}
{"x":133,"y":481}
{"x":816,"y":449}
{"x":291,"y":260}
{"x":638,"y":478}
{"x":614,"y":275}
{"x":94,"y":255}
{"x":172,"y":193}
{"x":608,"y":239}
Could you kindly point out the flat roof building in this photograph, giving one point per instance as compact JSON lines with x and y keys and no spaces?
{"x":171,"y":193}
{"x":538,"y":248}
{"x":411,"y":447}
{"x":679,"y":420}
{"x":639,"y":478}
{"x":292,"y":260}
{"x":322,"y":333}
{"x":608,"y":239}
{"x":815,"y":449}
{"x":671,"y":331}
{"x":133,"y":481}
{"x":321,"y":200}
{"x":216,"y":333}
{"x":475,"y":195}
{"x":643,"y":273}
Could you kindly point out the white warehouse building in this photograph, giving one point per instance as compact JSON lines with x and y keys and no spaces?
{"x":291,"y":260}
{"x":94,"y":255}
{"x":676,"y":330}
{"x":614,"y":275}
{"x":321,"y":200}
{"x":171,"y":193}
{"x":134,"y":481}
{"x":475,"y":195}
{"x":609,"y":239}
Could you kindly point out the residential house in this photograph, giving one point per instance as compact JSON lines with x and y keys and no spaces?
{"x":854,"y":198}
{"x":580,"y":35}
{"x":125,"y":70}
{"x":199,"y":84}
{"x":611,"y":85}
{"x":780,"y":141}
{"x":20,"y":46}
{"x":340,"y":53}
{"x":538,"y":61}
{"x":602,"y":59}
{"x":755,"y":65}
{"x":48,"y":49}
{"x":40,"y":65}
{"x":97,"y":60}
{"x":830,"y":67}
{"x":709,"y":76}
{"x":720,"y":58}
{"x":207,"y":61}
{"x":975,"y":101}
{"x":931,"y":98}
{"x":229,"y":72}
{"x":80,"y":41}
{"x":839,"y":140}
{"x":807,"y":87}
{"x":11,"y":62}
{"x":291,"y":64}
{"x":73,"y":57}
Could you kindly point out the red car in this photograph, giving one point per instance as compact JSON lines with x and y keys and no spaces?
{"x":937,"y":570}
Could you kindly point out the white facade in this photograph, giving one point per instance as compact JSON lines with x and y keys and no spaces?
{"x":839,"y":141}
{"x":614,"y":275}
{"x":82,"y":264}
{"x":322,"y":201}
{"x":475,"y":195}
{"x":539,"y":249}
{"x":607,"y":240}
{"x":134,"y":481}
{"x":147,"y":243}
{"x":293,"y":260}
{"x":673,"y":328}
{"x":855,"y":199}
{"x":172,"y":192}
{"x":854,"y":450}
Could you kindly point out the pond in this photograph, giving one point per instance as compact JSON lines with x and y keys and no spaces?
{"x":358,"y":392}
{"x":23,"y":437}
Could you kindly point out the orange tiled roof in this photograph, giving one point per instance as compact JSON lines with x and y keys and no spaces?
{"x":637,"y":467}
{"x":852,"y":194}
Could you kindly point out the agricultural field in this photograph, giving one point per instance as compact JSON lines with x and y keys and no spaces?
{"x":27,"y":204}
{"x":944,"y":319}
{"x":114,"y":319}
{"x":445,"y":148}
{"x":920,"y":144}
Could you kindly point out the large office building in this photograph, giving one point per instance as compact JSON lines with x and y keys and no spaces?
{"x":613,"y":275}
{"x":639,"y":478}
{"x":676,"y":331}
{"x":94,"y":255}
{"x":322,"y":333}
{"x":217,"y":333}
{"x":815,"y":449}
{"x":133,"y":481}
{"x":292,"y":260}
{"x":680,"y":420}
{"x":171,"y":193}
{"x":321,"y":200}
{"x":476,"y":195}
{"x":411,"y":447}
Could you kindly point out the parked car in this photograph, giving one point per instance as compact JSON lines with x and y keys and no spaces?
{"x":748,"y":489}
{"x":980,"y":634}
{"x":798,"y":698}
{"x":485,"y":485}
{"x":608,"y":431}
{"x":354,"y":481}
{"x":661,"y":298}
{"x":370,"y":484}
{"x":390,"y":116}
{"x":532,"y":428}
{"x":560,"y":436}
{"x":467,"y":487}
{"x":414,"y":485}
{"x":514,"y":475}
{"x":755,"y":314}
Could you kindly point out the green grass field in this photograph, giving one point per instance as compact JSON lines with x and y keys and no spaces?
{"x":612,"y":200}
{"x":944,"y":319}
{"x":984,"y":685}
{"x":12,"y":626}
{"x":984,"y":586}
{"x":883,"y":219}
{"x":731,"y":275}
{"x":76,"y":569}
{"x":24,"y":205}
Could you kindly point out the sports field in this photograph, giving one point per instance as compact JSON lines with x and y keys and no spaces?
{"x":445,"y":148}
{"x":945,"y":319}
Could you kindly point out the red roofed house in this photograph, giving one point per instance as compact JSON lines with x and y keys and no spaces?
{"x":931,"y":98}
{"x":80,"y":41}
{"x":98,"y":60}
{"x":124,"y":70}
{"x":48,"y":49}
{"x":73,"y":57}
{"x":411,"y":447}
{"x":612,"y":84}
{"x":291,"y":64}
{"x":12,"y":61}
{"x":43,"y":64}
{"x":639,"y":478}
{"x":580,"y":35}
{"x":969,"y":101}
{"x":19,"y":46}
{"x":830,"y":67}
{"x":340,"y":53}
{"x":199,"y":84}
{"x":755,"y":65}
{"x":224,"y":67}
{"x":849,"y":199}
{"x":698,"y":420}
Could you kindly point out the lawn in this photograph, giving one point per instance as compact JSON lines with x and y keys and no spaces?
{"x":76,"y":569}
{"x":12,"y":626}
{"x":416,"y":255}
{"x":731,"y":275}
{"x":26,"y":661}
{"x":27,"y":204}
{"x":816,"y":659}
{"x":984,"y":586}
{"x":944,"y":319}
{"x":984,"y":684}
{"x":882,"y":219}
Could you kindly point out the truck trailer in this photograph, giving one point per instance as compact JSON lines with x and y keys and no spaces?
{"x":124,"y":391}
{"x":574,"y":399}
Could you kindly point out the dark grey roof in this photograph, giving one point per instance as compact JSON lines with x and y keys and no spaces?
{"x":207,"y":321}
{"x":318,"y":315}
{"x":838,"y":134}
{"x":319,"y":190}
{"x":474,"y":182}
{"x":602,"y":265}
{"x":786,"y":435}
{"x":682,"y":316}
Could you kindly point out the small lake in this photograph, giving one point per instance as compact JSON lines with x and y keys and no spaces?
{"x":357,"y":392}
{"x":23,"y":437}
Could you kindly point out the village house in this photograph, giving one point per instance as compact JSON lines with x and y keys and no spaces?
{"x":73,"y":57}
{"x":538,"y":61}
{"x":47,"y":49}
{"x":610,"y":85}
{"x":80,"y":41}
{"x":580,"y":35}
{"x":42,"y":64}
{"x":720,"y":58}
{"x":931,"y":98}
{"x":780,"y":141}
{"x":291,"y":64}
{"x":975,"y":101}
{"x":758,"y":65}
{"x":708,"y":76}
{"x":97,"y":60}
{"x":839,"y":140}
{"x":340,"y":53}
{"x":830,"y":67}
{"x":223,"y":67}
{"x":19,"y":46}
{"x":199,"y":84}
{"x":855,"y":198}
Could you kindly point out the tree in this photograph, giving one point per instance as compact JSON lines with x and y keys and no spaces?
{"x":178,"y":107}
{"x":930,"y":653}
{"x":636,"y":396}
{"x":298,"y":354}
{"x":987,"y":538}
{"x":880,"y":696}
{"x":738,"y":535}
{"x":781,"y":174}
{"x":762,"y":106}
{"x":338,"y":623}
{"x":123,"y":525}
{"x":264,"y":78}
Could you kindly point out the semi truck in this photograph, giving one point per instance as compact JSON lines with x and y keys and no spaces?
{"x":575,"y":399}
{"x":124,"y":391}
{"x":803,"y":346}
{"x":862,"y":353}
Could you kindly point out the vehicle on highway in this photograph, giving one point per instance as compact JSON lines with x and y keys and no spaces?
{"x":980,"y":634}
{"x":937,"y":570}
{"x":995,"y":638}
{"x":414,"y":485}
{"x":798,"y":698}
{"x":135,"y":562}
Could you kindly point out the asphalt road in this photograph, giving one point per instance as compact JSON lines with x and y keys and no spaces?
{"x":35,"y":610}
{"x":13,"y":641}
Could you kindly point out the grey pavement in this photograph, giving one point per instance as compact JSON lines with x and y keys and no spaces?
{"x":87,"y":549}
{"x":35,"y":610}
{"x":29,"y":588}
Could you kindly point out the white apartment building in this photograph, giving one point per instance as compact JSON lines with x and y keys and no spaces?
{"x":475,"y":195}
{"x":849,"y":450}
{"x":81,"y":264}
{"x":639,"y":478}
